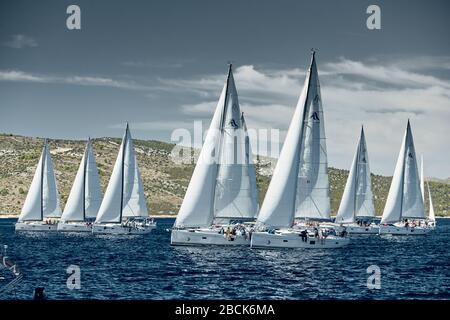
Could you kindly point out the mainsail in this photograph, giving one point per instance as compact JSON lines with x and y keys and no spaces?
{"x":85,"y":196}
{"x":405,"y":197}
{"x":42,"y":200}
{"x":357,"y":199}
{"x":299,"y":187}
{"x":223,"y":185}
{"x":124,"y":196}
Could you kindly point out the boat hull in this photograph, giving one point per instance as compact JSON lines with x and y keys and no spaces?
{"x":192,"y":237}
{"x":35,"y":227}
{"x":74,"y":227}
{"x":355,"y":229}
{"x":404,"y":231}
{"x":294,"y":240}
{"x":362,"y":230}
{"x":118,"y":229}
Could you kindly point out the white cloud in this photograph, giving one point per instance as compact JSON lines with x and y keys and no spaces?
{"x":382,"y":96}
{"x":19,"y":41}
{"x":385,"y":74}
{"x":155,"y":125}
{"x":20,"y":76}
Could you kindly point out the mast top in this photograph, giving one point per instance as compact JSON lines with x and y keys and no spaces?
{"x":230,"y":67}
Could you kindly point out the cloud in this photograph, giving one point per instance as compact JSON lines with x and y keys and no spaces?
{"x":152,"y":64}
{"x":384,"y":74}
{"x":155,"y":125}
{"x":382,"y":95}
{"x":20,"y":76}
{"x":19,"y":41}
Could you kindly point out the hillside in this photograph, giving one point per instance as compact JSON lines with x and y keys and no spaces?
{"x":164,"y":181}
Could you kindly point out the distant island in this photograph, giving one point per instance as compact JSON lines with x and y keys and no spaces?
{"x":165,"y":181}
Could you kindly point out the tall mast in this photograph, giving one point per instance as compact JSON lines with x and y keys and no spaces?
{"x":123,"y":172}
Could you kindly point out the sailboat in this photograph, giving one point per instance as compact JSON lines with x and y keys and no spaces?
{"x":124,"y":208}
{"x":404,"y":204}
{"x":356,"y":210}
{"x":221,"y":199}
{"x":85,"y":196}
{"x":431,"y":221}
{"x":41,"y":207}
{"x":299,"y":185}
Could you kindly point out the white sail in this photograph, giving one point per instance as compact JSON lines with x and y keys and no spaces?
{"x":85,"y":196}
{"x":223,"y":185}
{"x":422,"y":180}
{"x":313,"y":190}
{"x":404,"y":199}
{"x":431,"y":215}
{"x":234,"y":190}
{"x":134,"y":203}
{"x":197,"y":209}
{"x":124,"y":196}
{"x":42,"y":199}
{"x":357,"y":199}
{"x":299,"y":185}
{"x":254,"y":194}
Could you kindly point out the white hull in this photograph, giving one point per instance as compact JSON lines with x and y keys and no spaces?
{"x":119,"y":229}
{"x":74,"y":227}
{"x":294,"y":240}
{"x":354,"y":228}
{"x":362,"y":230}
{"x":199,"y":237}
{"x":38,"y":226}
{"x":403,"y":231}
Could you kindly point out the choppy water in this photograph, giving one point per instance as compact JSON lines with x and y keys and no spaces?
{"x":149,"y":268}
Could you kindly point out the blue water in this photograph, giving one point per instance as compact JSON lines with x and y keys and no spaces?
{"x":149,"y":268}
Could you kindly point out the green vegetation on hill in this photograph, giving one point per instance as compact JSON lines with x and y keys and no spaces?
{"x":165,"y":181}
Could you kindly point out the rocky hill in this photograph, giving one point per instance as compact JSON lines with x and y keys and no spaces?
{"x":164,"y":180}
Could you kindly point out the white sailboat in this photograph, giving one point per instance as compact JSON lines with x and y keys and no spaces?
{"x":222,"y":194}
{"x":41,"y":207}
{"x":404,"y":204}
{"x":431,"y":222}
{"x":299,"y":185}
{"x":356,"y":210}
{"x":85,"y":196}
{"x":124,"y":209}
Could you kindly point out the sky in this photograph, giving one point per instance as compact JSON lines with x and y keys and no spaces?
{"x":160,"y":65}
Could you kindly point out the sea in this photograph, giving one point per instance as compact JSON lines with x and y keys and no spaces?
{"x":147,"y":267}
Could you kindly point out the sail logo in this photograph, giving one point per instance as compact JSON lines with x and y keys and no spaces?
{"x":233,"y":123}
{"x":315,"y":116}
{"x":410,"y":155}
